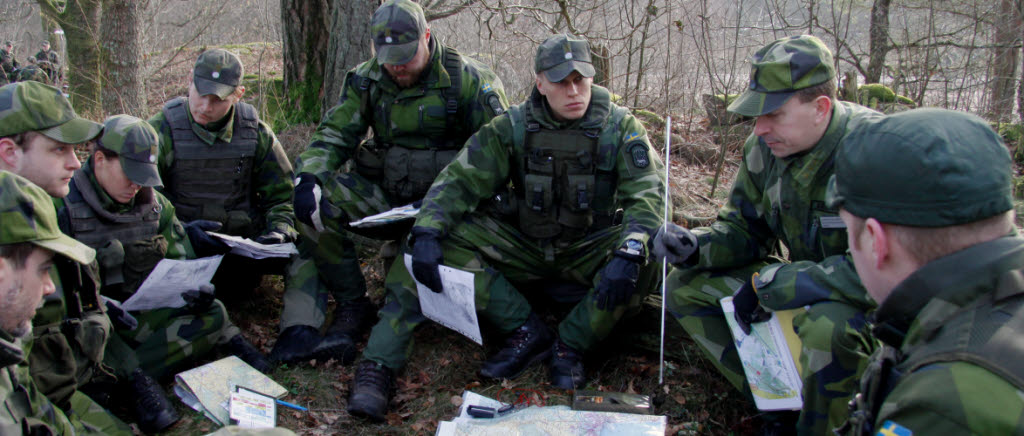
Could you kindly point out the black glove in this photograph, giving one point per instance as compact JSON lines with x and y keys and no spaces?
{"x":676,"y":246}
{"x":202,"y":242}
{"x":618,"y":280}
{"x":747,"y":307}
{"x":118,"y":316}
{"x":426,"y":257}
{"x":309,"y":201}
{"x":198,"y":300}
{"x":273,"y":237}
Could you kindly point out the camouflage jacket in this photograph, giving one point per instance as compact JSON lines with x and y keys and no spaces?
{"x":777,"y":200}
{"x":47,"y":55}
{"x":412,"y":117}
{"x":26,"y":410}
{"x":971,"y":298}
{"x":32,"y":72}
{"x":491,"y":157}
{"x":7,"y":62}
{"x":272,"y":178}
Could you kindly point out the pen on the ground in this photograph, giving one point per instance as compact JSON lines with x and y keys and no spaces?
{"x":293,"y":406}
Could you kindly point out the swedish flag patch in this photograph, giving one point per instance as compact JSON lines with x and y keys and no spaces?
{"x":486,"y":87}
{"x":633,"y":136}
{"x":890,"y":428}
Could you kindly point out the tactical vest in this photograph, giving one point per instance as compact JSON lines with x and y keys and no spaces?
{"x":985,"y":333}
{"x":212,"y":181}
{"x":565,"y":185}
{"x":94,"y":226}
{"x":405,"y":173}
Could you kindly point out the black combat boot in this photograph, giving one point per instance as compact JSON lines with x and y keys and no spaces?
{"x":351,"y":320}
{"x":372,"y":389}
{"x":566,"y":368}
{"x":240,"y":347}
{"x":152,"y":408}
{"x":528,"y":344}
{"x":295,"y":343}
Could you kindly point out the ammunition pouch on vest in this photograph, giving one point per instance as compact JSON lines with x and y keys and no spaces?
{"x":985,"y":333}
{"x":213,"y":182}
{"x":566,"y":184}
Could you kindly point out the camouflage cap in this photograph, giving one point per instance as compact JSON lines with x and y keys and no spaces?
{"x":33,"y":106}
{"x":28,"y":216}
{"x":397,"y":27}
{"x":923,"y":168}
{"x":780,"y":69}
{"x":560,"y":55}
{"x":218,"y":72}
{"x":135,"y":142}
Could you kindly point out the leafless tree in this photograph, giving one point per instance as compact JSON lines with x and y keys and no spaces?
{"x":123,"y":91}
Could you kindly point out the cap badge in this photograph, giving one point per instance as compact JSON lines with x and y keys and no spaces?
{"x":215,"y":74}
{"x":568,"y":55}
{"x":387,"y":39}
{"x":152,"y":158}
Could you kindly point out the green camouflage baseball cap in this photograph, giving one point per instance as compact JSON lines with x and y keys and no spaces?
{"x":217,"y":72}
{"x":28,"y":216}
{"x":135,"y":142}
{"x":397,"y":27}
{"x":560,"y":55}
{"x":780,"y":69}
{"x":33,"y":106}
{"x":923,"y":168}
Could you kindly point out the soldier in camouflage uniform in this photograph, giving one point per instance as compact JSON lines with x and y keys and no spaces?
{"x":927,"y":197}
{"x":221,"y":164}
{"x":572,"y":159}
{"x":113,"y":208}
{"x":778,"y":197}
{"x":29,"y":240}
{"x":46,"y":55}
{"x":7,"y":62}
{"x":421,"y":100}
{"x":38,"y":132}
{"x":32,"y":72}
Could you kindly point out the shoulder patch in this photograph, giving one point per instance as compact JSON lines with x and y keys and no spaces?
{"x":633,"y":136}
{"x":486,"y":87}
{"x":639,"y":153}
{"x":890,"y":428}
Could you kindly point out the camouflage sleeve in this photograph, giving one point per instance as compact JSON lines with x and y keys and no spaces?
{"x":480,"y":168}
{"x":178,"y":245}
{"x":791,"y":285}
{"x":42,"y":416}
{"x":641,"y":184}
{"x":741,"y":234}
{"x":952,"y":398}
{"x":273,"y":184}
{"x":486,"y":93}
{"x":165,"y":153}
{"x":338,"y":134}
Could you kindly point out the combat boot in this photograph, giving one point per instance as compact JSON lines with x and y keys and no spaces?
{"x":372,"y":389}
{"x":241,"y":348}
{"x":295,"y":344}
{"x":351,"y":320}
{"x":152,"y":408}
{"x":527,"y":345}
{"x":566,"y":367}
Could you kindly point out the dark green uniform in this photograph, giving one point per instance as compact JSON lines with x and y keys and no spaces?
{"x":166,"y":340}
{"x":416,"y":132}
{"x":607,"y":157}
{"x":26,"y":410}
{"x":783,"y":201}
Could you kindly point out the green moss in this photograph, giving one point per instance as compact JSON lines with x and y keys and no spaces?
{"x":877,"y":92}
{"x":1018,"y":187}
{"x":902,"y":99}
{"x":649,"y":119}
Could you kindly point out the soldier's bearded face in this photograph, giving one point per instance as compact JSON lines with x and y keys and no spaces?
{"x":206,"y":109}
{"x":47,"y":163}
{"x":794,"y":127}
{"x":408,"y":74}
{"x":568,"y":99}
{"x":22,"y":289}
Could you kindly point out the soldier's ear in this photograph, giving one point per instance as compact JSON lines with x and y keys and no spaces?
{"x":10,"y":154}
{"x":822,"y":108}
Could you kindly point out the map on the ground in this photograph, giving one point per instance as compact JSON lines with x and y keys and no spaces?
{"x":767,"y":356}
{"x":169,"y":279}
{"x":454,"y":308}
{"x":550,"y":420}
{"x":208,"y":388}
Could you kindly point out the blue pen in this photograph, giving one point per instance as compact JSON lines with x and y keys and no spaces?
{"x":293,"y":406}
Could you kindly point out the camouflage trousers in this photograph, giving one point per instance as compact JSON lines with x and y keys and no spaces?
{"x":87,"y":417}
{"x":169,"y":340}
{"x":833,"y":351}
{"x":499,"y":255}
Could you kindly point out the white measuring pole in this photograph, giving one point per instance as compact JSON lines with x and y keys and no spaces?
{"x":664,"y":263}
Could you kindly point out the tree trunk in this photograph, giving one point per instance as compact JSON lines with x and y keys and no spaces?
{"x":80,"y":20}
{"x":305,"y":33}
{"x":1004,"y":64}
{"x":350,"y":44}
{"x":123,"y":91}
{"x":879,"y":40}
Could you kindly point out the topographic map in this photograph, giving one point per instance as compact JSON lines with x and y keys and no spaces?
{"x":767,"y":358}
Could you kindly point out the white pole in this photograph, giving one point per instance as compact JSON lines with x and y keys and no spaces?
{"x":664,"y":263}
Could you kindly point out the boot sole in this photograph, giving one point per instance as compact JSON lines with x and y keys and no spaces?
{"x":364,"y":414}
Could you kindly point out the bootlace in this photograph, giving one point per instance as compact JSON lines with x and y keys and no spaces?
{"x":370,"y":374}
